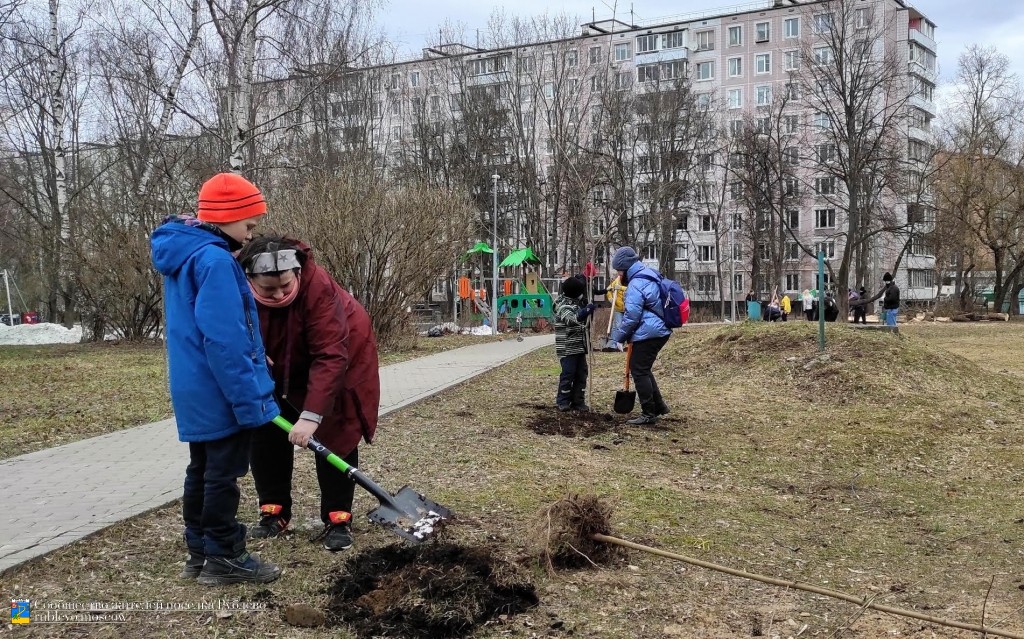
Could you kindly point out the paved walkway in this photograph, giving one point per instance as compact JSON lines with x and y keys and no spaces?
{"x":56,"y":496}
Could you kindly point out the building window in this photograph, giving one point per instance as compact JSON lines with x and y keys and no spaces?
{"x":825,"y":185}
{"x":792,"y":91}
{"x":762,"y":31}
{"x":793,"y":219}
{"x":673,"y":70}
{"x":763,"y":63}
{"x":705,"y":40}
{"x":735,"y":127}
{"x":764,"y":95}
{"x":862,"y":18}
{"x":762,"y":252}
{"x":414,"y":79}
{"x":646,"y":43}
{"x":647,"y":73}
{"x":673,"y":40}
{"x":791,"y":156}
{"x":825,"y":153}
{"x":706,"y":253}
{"x":549,"y":90}
{"x":792,"y":60}
{"x":735,"y":98}
{"x":821,"y":120}
{"x":792,"y":281}
{"x":705,"y":70}
{"x":622,"y":80}
{"x":682,"y":222}
{"x":705,"y":283}
{"x":791,"y":27}
{"x":650,"y":253}
{"x":595,"y":55}
{"x":822,"y":55}
{"x":735,"y":67}
{"x":792,"y":252}
{"x":622,"y":52}
{"x":396,"y":107}
{"x":921,"y":278}
{"x":824,"y":218}
{"x":707,"y":223}
{"x":791,"y":187}
{"x":396,"y":132}
{"x":921,"y":246}
{"x":822,"y":22}
{"x":735,"y":36}
{"x":790,"y":124}
{"x":763,"y":125}
{"x":572,"y":58}
{"x":737,"y":282}
{"x":828,"y":248}
{"x":703,"y":100}
{"x":737,"y":253}
{"x":683,"y":252}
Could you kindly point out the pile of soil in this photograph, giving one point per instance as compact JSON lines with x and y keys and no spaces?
{"x":564,"y":533}
{"x":856,"y":365}
{"x":431,"y":590}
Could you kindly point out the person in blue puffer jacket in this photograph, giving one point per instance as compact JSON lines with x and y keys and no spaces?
{"x":221,"y":388}
{"x":644,"y":329}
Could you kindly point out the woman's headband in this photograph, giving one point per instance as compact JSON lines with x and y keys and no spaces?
{"x":273,"y":262}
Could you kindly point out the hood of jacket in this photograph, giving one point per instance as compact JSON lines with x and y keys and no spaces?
{"x":179,"y":237}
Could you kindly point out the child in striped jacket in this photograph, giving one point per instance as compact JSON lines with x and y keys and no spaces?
{"x":571,"y":313}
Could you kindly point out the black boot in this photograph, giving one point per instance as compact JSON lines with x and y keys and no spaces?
{"x":272,"y":524}
{"x":245,"y":568}
{"x":193,"y":565}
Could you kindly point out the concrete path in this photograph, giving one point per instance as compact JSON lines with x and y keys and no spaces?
{"x":56,"y":496}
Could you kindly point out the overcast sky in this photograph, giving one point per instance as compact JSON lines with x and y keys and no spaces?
{"x":999,"y":23}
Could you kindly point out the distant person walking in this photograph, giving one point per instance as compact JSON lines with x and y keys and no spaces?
{"x":890,"y":295}
{"x":807,"y":299}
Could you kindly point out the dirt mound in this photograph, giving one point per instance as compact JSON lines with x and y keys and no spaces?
{"x":857,"y":364}
{"x":550,"y":421}
{"x":432,"y":590}
{"x":564,"y":531}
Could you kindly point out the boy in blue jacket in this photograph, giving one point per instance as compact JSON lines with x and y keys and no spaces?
{"x":642,"y":326}
{"x":220,"y":386}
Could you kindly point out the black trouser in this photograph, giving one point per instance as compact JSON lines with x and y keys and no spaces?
{"x":209,"y":505}
{"x":861,"y":313}
{"x":572,"y":383}
{"x":273,"y":459}
{"x":640,"y":363}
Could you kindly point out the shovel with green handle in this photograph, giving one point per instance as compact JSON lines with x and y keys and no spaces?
{"x":407,"y":514}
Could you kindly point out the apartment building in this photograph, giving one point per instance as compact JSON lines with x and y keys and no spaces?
{"x":739,"y":62}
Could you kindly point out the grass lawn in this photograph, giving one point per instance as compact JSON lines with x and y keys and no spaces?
{"x":58,"y":394}
{"x":891,"y":469}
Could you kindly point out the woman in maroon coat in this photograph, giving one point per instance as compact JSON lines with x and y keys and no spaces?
{"x":323,"y":357}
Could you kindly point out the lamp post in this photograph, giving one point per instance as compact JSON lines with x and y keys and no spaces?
{"x":494,"y":259}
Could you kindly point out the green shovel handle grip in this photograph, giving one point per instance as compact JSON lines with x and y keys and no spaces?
{"x":315,"y":446}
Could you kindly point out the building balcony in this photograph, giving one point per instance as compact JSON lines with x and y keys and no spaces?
{"x":919,"y":69}
{"x":923,"y":40}
{"x":924,"y":104}
{"x":923,"y":135}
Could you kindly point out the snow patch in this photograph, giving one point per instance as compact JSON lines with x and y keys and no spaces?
{"x":36,"y":334}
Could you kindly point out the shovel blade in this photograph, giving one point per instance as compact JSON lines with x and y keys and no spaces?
{"x":625,"y":401}
{"x":410,"y":515}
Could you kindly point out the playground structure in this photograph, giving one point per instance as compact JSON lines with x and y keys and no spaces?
{"x":524,"y":300}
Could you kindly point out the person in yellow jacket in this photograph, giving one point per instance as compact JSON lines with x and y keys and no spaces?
{"x":616,"y":293}
{"x":787,"y":307}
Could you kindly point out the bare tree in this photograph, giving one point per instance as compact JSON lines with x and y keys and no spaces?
{"x":980,"y":179}
{"x":858,"y":90}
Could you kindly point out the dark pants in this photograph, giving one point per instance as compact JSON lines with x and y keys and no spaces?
{"x":572,"y":383}
{"x":640,"y":363}
{"x":861,"y":313}
{"x":210,"y":501}
{"x":273,"y":459}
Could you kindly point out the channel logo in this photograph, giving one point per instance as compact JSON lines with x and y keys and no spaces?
{"x":21,"y":611}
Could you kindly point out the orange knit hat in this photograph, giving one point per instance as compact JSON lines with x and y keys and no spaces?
{"x":229,"y":197}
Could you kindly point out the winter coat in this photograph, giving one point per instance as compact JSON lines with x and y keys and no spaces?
{"x":618,"y":291}
{"x":787,"y":306}
{"x":639,"y":321}
{"x":217,"y":366}
{"x":324,"y":355}
{"x":891,"y":299}
{"x":570,"y":330}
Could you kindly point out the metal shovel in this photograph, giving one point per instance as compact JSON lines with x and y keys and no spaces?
{"x":407,"y":514}
{"x":625,"y":399}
